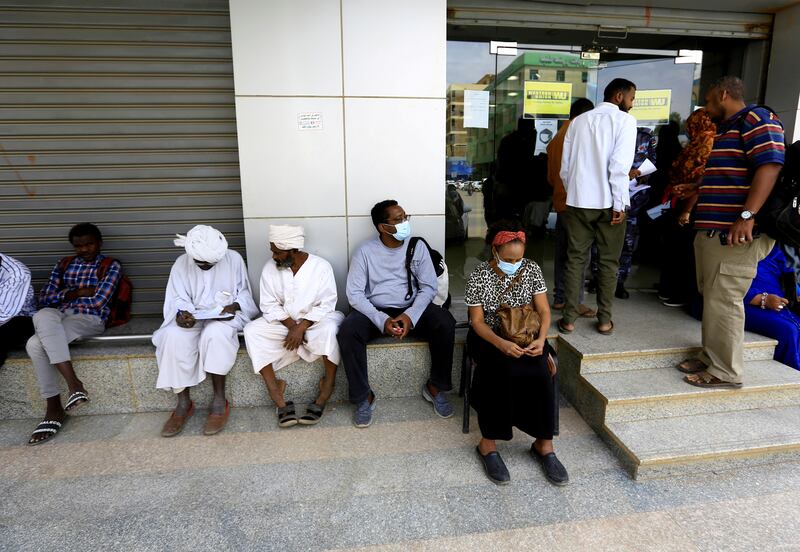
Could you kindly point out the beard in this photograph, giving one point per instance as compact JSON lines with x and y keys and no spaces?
{"x":285,"y":263}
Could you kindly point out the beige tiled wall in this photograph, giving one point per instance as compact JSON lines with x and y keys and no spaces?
{"x":375,"y":71}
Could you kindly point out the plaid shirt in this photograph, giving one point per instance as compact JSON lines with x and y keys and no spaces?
{"x":80,"y":274}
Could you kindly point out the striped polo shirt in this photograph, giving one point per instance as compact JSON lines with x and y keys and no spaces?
{"x":751,"y":138}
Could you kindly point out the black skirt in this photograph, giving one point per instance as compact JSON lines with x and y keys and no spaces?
{"x":511,"y":392}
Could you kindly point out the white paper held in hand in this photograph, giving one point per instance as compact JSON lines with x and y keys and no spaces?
{"x":647,"y":167}
{"x":209,"y":314}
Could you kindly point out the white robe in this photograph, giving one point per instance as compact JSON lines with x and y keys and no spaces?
{"x":185,"y":354}
{"x":310,"y":294}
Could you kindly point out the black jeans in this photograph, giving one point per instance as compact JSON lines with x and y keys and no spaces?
{"x":14,"y":334}
{"x":436,"y":325}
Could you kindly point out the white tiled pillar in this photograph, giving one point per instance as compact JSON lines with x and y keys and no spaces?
{"x":373,"y":71}
{"x":783,"y":81}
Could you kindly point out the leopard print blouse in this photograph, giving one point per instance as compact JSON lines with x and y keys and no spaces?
{"x":488,"y":289}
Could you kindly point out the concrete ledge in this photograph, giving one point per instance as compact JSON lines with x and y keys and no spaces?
{"x":121,"y":378}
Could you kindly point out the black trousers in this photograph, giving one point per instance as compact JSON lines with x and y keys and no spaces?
{"x":511,"y":392}
{"x":436,"y":325}
{"x":14,"y":334}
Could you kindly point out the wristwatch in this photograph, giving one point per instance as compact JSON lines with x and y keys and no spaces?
{"x":746,"y":215}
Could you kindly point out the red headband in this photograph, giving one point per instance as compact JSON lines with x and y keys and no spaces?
{"x":504,"y":237}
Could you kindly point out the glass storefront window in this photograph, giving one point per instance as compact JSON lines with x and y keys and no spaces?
{"x":538,"y":84}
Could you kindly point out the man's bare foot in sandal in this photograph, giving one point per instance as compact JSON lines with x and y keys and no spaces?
{"x":605,"y":329}
{"x":315,"y":410}
{"x":706,"y":380}
{"x":586,"y":312}
{"x":54,"y":418}
{"x":691,"y":366}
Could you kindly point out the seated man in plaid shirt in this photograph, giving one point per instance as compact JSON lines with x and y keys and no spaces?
{"x":74,"y":303}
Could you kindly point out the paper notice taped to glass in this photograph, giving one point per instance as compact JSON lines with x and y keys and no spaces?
{"x":476,"y":109}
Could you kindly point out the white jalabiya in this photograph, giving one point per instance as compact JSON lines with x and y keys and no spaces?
{"x":185,"y":354}
{"x":310,"y":294}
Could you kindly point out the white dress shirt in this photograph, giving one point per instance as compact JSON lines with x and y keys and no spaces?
{"x":598,"y":154}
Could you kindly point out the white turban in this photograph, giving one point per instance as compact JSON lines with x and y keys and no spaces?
{"x":204,"y":244}
{"x":287,"y":237}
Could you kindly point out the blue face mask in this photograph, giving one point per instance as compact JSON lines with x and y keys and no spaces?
{"x":509,"y":269}
{"x":402,"y":231}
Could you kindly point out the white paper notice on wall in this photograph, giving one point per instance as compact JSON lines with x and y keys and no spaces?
{"x":476,"y":109}
{"x":546,"y":130}
{"x":309,"y":121}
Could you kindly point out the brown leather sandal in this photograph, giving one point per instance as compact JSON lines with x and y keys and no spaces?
{"x":709,"y":381}
{"x":691,"y":366}
{"x":175,"y":423}
{"x":216,"y":422}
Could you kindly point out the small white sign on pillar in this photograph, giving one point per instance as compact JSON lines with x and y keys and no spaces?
{"x":309,"y":121}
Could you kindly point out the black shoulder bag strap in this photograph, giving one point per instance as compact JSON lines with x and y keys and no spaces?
{"x":412,"y":245}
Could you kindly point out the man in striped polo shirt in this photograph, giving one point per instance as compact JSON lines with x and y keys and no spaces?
{"x":740,"y":174}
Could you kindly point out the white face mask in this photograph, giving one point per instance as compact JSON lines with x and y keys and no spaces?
{"x":402,"y":231}
{"x":509,"y":269}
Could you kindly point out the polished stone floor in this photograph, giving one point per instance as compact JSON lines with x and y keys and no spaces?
{"x":410,"y":482}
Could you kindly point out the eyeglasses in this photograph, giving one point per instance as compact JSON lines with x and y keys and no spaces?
{"x":398,"y":221}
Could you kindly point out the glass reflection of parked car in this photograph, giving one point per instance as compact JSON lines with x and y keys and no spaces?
{"x":474,"y":186}
{"x":456,"y":219}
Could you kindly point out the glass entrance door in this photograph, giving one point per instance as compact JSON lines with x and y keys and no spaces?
{"x":491,"y":88}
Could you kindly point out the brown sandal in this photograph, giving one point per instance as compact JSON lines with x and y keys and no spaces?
{"x":607,"y":331}
{"x":692,"y":366}
{"x":586,"y":312}
{"x":216,"y":422}
{"x":709,"y":381}
{"x":175,"y":423}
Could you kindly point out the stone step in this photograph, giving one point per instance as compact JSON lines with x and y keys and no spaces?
{"x":662,"y":393}
{"x":706,"y":442}
{"x":755,"y":348}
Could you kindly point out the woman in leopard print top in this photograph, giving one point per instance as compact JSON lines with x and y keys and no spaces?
{"x":512,"y":386}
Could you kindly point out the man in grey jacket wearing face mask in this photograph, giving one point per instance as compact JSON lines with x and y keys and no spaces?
{"x":377,"y":289}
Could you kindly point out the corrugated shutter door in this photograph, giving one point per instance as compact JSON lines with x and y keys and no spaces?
{"x":121,"y":114}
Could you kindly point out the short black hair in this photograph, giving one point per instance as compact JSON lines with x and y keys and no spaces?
{"x":503,"y":225}
{"x":615,"y":87}
{"x":378,"y":212}
{"x":730,"y":84}
{"x":580,"y":106}
{"x":85,"y":229}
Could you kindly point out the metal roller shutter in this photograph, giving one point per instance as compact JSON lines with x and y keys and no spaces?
{"x":657,"y":18}
{"x":119,"y":113}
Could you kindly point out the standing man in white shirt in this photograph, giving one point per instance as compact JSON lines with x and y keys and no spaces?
{"x":597,"y":157}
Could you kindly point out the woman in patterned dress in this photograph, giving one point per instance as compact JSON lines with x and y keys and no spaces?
{"x":677,"y":286}
{"x":512,"y":386}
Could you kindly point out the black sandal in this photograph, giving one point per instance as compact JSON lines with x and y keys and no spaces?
{"x":287,"y":417}
{"x":49,"y":427}
{"x":76,"y":400}
{"x":312,"y":415}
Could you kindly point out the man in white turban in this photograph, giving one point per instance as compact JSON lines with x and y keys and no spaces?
{"x":208,"y":301}
{"x":298,"y":302}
